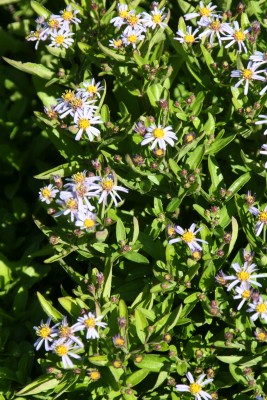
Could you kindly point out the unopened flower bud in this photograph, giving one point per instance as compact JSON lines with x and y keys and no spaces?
{"x":163,"y":104}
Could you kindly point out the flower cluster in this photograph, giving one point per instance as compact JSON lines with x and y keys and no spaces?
{"x":80,"y":105}
{"x":61,"y":338}
{"x":56,"y":28}
{"x":75,"y":197}
{"x":243,"y":281}
{"x":135,"y":25}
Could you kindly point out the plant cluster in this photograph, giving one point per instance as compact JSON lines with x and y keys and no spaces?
{"x":151,"y":211}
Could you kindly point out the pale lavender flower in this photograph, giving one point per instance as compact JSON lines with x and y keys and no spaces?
{"x":259,"y":309}
{"x":159,"y":135}
{"x":262,"y":218}
{"x":237,"y":35}
{"x":188,"y":237}
{"x":244,"y":274}
{"x":46,"y":334}
{"x":196,"y":387}
{"x":89,"y":322}
{"x":262,"y":121}
{"x":48,"y":193}
{"x":64,"y":350}
{"x":247,"y":75}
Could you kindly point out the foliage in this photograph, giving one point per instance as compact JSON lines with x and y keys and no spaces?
{"x":137,"y":260}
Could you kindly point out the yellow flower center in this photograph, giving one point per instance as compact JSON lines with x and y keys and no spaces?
{"x":247,"y":74}
{"x":61,"y":350}
{"x":239,"y":36}
{"x":204,"y":12}
{"x":76,"y":103}
{"x":123,"y":14}
{"x":68,"y":96}
{"x":89,"y":223}
{"x":89,"y":322}
{"x":263,"y":217}
{"x":91,"y":89}
{"x":215,"y":25}
{"x":196,"y":255}
{"x":107,"y":184}
{"x":261,"y":308}
{"x":189,"y":138}
{"x":71,"y":204}
{"x":59,"y":39}
{"x":158,"y":133}
{"x":188,"y":237}
{"x":64,"y":331}
{"x":119,"y":341}
{"x":246,"y":294}
{"x":170,"y":231}
{"x":132,"y":38}
{"x":53,"y":23}
{"x":243,"y":276}
{"x":189,"y":39}
{"x":117,"y":364}
{"x":44,"y":331}
{"x":132,"y":19}
{"x":117,"y":43}
{"x":250,"y":199}
{"x":261,"y":336}
{"x":95,"y":375}
{"x":159,"y":152}
{"x":84,"y":123}
{"x":156,"y":18}
{"x":79,"y":177}
{"x":67,"y":15}
{"x":195,"y":388}
{"x":46,"y":193}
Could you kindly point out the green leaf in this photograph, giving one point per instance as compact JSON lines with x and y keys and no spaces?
{"x":137,"y":377}
{"x":154,"y":93}
{"x":40,"y":385}
{"x":207,"y":280}
{"x":111,"y":53}
{"x":238,"y":184}
{"x":40,"y":10}
{"x":49,"y":309}
{"x":70,"y":305}
{"x":136,"y":257}
{"x":152,"y":362}
{"x":219,"y":144}
{"x":234,"y":235}
{"x":135,"y":231}
{"x":238,"y":374}
{"x":141,"y":324}
{"x":99,"y":360}
{"x":195,"y":157}
{"x":215,"y":174}
{"x":120,"y":231}
{"x":62,"y":170}
{"x":31,"y":68}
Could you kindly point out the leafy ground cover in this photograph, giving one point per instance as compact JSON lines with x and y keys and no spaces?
{"x":139,"y":127}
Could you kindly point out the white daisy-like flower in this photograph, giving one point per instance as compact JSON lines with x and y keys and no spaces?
{"x":259,"y":57}
{"x":264,"y":151}
{"x":196,"y":387}
{"x":48,"y":193}
{"x":262,"y":218}
{"x":65,"y":332}
{"x":77,"y":105}
{"x":159,"y":136}
{"x":188,"y":237}
{"x":84,"y":119}
{"x":116,"y":43}
{"x":108,"y":187}
{"x":90,"y":322}
{"x":244,"y":274}
{"x":64,"y":102}
{"x":91,"y":89}
{"x":46,"y":334}
{"x":204,"y":12}
{"x":262,"y":121}
{"x":52,"y":25}
{"x":61,"y":38}
{"x":37,"y":36}
{"x":237,"y":35}
{"x":154,"y":19}
{"x":247,"y":75}
{"x":259,"y":309}
{"x":123,"y":13}
{"x":214,"y":28}
{"x":132,"y":37}
{"x":67,"y":17}
{"x":63,"y":349}
{"x":69,"y":204}
{"x":134,"y":23}
{"x":86,"y":221}
{"x":187,"y":37}
{"x":243,"y":293}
